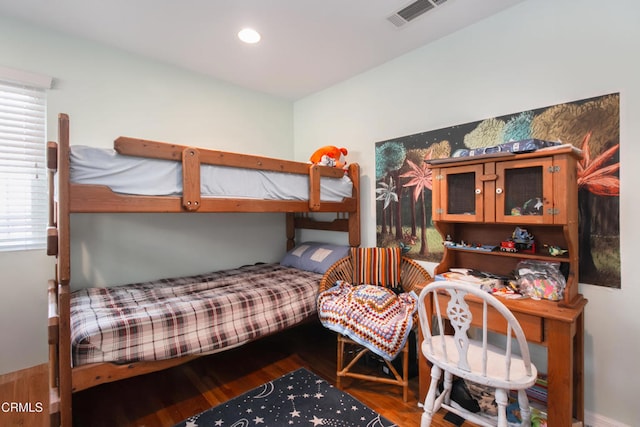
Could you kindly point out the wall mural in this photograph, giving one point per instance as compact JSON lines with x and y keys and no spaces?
{"x":403,"y":188}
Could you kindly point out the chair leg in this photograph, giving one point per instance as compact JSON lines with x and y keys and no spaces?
{"x":502,"y":401}
{"x":525,"y":410}
{"x":339,"y":362}
{"x":429,"y":401}
{"x":405,"y":373}
{"x":345,"y":364}
{"x":447,"y":387}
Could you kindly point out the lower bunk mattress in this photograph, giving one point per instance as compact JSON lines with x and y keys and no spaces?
{"x":200,"y":314}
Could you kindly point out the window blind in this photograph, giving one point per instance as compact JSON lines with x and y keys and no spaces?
{"x":23,"y":175}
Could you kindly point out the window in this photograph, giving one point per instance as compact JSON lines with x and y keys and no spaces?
{"x":23,"y":174}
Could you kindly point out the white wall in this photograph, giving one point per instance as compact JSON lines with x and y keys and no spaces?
{"x":108,"y":93}
{"x":535,"y":54}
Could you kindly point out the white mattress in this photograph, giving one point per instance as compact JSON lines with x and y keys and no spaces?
{"x":154,"y":177}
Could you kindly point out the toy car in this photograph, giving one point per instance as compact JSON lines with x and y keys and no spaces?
{"x":508,"y":246}
{"x":511,"y":246}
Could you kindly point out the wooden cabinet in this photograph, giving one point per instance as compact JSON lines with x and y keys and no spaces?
{"x":480,"y":201}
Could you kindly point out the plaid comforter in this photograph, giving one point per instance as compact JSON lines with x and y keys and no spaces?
{"x":199,"y":314}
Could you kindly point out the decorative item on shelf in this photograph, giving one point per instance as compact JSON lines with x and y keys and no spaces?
{"x":540,"y":279}
{"x":508,"y":246}
{"x":468,"y":246}
{"x":556,"y":250}
{"x":522,"y":146}
{"x":521,"y":241}
{"x":532,"y":206}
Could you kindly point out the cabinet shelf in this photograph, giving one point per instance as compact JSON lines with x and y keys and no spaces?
{"x":521,"y":255}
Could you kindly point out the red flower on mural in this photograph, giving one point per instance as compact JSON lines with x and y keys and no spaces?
{"x":593,"y":176}
{"x":420,"y":176}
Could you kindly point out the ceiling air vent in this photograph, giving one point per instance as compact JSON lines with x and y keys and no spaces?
{"x":412,"y":11}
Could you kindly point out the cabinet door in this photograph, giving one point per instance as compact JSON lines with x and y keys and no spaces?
{"x":524,"y":191}
{"x":460,"y":195}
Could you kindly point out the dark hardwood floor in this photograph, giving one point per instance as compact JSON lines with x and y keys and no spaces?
{"x":29,"y":388}
{"x":165,"y":398}
{"x":168,"y":397}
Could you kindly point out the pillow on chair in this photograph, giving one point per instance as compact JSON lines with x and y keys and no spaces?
{"x":376,"y":266}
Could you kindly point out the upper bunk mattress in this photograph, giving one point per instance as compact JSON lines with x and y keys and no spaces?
{"x":157,"y":177}
{"x":199,"y":314}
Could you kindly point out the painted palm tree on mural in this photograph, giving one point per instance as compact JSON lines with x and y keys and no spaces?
{"x":420,"y":179}
{"x":386,"y":193}
{"x":595,"y":177}
{"x":390,"y":157}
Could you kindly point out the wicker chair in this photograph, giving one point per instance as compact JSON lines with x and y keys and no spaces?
{"x":413,"y":277}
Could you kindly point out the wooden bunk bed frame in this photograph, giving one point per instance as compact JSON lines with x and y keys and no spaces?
{"x":83,"y":198}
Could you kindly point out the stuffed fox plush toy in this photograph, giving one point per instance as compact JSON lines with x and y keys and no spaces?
{"x":331,"y":156}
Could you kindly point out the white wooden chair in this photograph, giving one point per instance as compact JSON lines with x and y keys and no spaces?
{"x":474,"y":360}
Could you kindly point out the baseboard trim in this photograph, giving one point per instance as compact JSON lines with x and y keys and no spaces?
{"x":591,"y":419}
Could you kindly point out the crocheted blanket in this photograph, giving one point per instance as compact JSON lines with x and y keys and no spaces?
{"x":373,"y":316}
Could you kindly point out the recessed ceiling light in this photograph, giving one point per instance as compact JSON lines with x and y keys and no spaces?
{"x":249,"y":35}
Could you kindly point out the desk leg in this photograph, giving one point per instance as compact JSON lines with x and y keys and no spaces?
{"x":578,"y":369}
{"x":560,"y":356}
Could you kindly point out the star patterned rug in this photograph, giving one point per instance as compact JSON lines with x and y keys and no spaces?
{"x":299,"y":398}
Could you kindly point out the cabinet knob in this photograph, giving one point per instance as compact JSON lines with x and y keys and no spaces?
{"x":498,"y":190}
{"x":478,"y":191}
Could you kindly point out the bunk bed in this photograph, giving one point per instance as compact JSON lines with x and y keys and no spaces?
{"x":75,"y":189}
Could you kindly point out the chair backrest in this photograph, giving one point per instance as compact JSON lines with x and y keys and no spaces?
{"x":458,"y":302}
{"x":411,"y":275}
{"x":376,"y":266}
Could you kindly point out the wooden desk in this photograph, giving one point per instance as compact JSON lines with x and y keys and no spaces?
{"x":561,"y":330}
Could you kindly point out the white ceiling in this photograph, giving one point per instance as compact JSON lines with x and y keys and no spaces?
{"x":307,"y":45}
